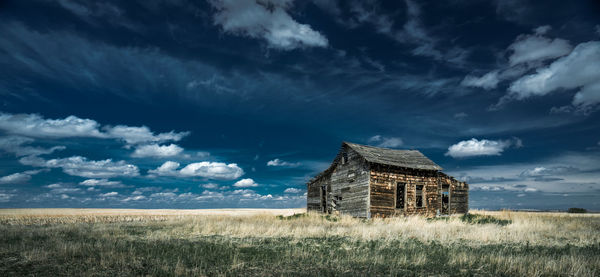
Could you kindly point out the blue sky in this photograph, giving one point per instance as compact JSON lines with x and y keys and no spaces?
{"x":222,"y":103}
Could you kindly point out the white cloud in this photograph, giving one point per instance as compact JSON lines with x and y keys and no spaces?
{"x":155,"y":150}
{"x":209,"y":186}
{"x":134,"y":198}
{"x":166,"y":169}
{"x":14,"y":144}
{"x":388,"y":142}
{"x":548,"y":171}
{"x":202,"y":154}
{"x":281,"y":163}
{"x":484,"y":147}
{"x":538,"y":171}
{"x":268,"y":20}
{"x":80,"y":166}
{"x":579,"y":70}
{"x":572,"y":68}
{"x":5,"y":197}
{"x":163,"y":195}
{"x":210,"y":195}
{"x":109,"y":194}
{"x":15,"y":178}
{"x":292,"y":190}
{"x":246,"y":193}
{"x":210,"y":170}
{"x":102,"y":183}
{"x":487,"y":81}
{"x":489,"y":188}
{"x":245,"y":183}
{"x":140,"y":135}
{"x":35,"y":126}
{"x":58,"y":188}
{"x":54,"y":186}
{"x":533,"y":48}
{"x":542,"y":30}
{"x":65,"y":190}
{"x":18,"y":178}
{"x":146,"y":189}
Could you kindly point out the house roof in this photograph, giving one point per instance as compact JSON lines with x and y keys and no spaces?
{"x":378,"y":155}
{"x":403,"y":158}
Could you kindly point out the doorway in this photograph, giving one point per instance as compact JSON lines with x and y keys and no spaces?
{"x":324,"y":199}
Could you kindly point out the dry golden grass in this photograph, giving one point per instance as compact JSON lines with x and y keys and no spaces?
{"x":534,"y":228}
{"x":534,"y":244}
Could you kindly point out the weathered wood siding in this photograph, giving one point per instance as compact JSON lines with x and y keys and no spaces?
{"x":313,"y":193}
{"x":360,"y":188}
{"x":383,"y":180}
{"x":459,"y":194}
{"x":350,"y":185}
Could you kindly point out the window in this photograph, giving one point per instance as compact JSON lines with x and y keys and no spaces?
{"x":445,"y":198}
{"x":400,"y":195}
{"x":344,"y":158}
{"x":419,"y":196}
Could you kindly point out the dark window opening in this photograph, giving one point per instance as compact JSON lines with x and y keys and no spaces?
{"x":400,"y":195}
{"x":337,"y":202}
{"x":344,"y":158}
{"x":419,"y":196}
{"x":445,"y":199}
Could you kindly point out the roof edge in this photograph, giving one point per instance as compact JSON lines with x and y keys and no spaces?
{"x":354,"y":146}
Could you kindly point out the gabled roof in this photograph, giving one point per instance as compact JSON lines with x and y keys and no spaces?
{"x":403,"y":158}
{"x":378,"y":155}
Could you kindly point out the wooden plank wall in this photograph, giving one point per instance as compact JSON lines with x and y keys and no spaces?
{"x":383,"y":181}
{"x":459,"y":194}
{"x":350,"y":182}
{"x":313,"y":195}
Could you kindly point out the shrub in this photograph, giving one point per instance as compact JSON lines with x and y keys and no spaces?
{"x":484,"y":219}
{"x":576,"y":211}
{"x":294,"y":216}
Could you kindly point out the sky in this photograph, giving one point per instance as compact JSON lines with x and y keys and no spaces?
{"x":238,"y":103}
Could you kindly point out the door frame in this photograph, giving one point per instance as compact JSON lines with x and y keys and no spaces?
{"x":323,"y":194}
{"x":396,"y":196}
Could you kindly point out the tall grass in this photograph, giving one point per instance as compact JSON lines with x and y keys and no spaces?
{"x":105,"y":242}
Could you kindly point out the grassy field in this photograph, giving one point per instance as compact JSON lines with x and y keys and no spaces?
{"x":74,"y":242}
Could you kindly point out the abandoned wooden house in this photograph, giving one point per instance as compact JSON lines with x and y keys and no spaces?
{"x":366,"y":181}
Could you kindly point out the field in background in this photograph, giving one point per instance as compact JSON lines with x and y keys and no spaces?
{"x":275,"y":242}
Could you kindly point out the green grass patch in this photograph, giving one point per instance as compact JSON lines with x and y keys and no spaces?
{"x":87,"y":251}
{"x":475,"y":219}
{"x":484,"y":219}
{"x":332,"y":218}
